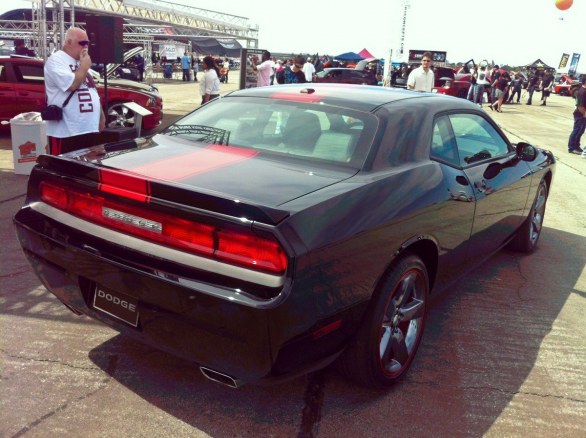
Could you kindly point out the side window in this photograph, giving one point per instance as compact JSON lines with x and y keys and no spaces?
{"x":443,"y":145}
{"x":3,"y":73}
{"x":476,"y":139}
{"x":30,"y":74}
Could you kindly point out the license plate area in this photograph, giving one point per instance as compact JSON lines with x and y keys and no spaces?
{"x":116,"y":305}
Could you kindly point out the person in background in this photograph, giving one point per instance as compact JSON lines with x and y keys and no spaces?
{"x":546,"y":87}
{"x":186,"y":66}
{"x":481,"y":83}
{"x":422,"y":78}
{"x":272,"y":81}
{"x":493,"y":77}
{"x":294,"y":73}
{"x":280,"y":72}
{"x":195,"y":66}
{"x":516,"y":87}
{"x":226,"y":67}
{"x":139,"y":62}
{"x":308,"y":70}
{"x":264,"y":70}
{"x":532,"y":86}
{"x":579,"y":120}
{"x":500,"y":89}
{"x":472,"y":88}
{"x":209,"y":87}
{"x":66,"y":74}
{"x":21,"y":49}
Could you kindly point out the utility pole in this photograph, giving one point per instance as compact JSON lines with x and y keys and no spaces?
{"x":405,"y":5}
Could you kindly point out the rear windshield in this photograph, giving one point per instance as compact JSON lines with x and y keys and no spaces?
{"x":284,"y":128}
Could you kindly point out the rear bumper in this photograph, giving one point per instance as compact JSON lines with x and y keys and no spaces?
{"x":213,"y":332}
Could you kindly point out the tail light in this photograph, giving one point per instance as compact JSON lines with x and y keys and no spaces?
{"x":241,"y":247}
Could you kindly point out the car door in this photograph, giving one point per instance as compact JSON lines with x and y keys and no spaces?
{"x":500,"y":198}
{"x":7,"y":93}
{"x":30,"y":86}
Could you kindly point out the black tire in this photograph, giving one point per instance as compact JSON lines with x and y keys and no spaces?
{"x":386,"y":343}
{"x":528,"y":235}
{"x":119,"y":116}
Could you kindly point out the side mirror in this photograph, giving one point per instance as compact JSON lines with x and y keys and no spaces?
{"x":526,"y":152}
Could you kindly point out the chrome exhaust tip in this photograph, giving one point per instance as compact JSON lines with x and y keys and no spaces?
{"x":222,"y":378}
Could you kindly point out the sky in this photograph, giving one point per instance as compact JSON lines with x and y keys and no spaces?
{"x":513,"y":32}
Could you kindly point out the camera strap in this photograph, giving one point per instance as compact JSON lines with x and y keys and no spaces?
{"x":66,"y":100}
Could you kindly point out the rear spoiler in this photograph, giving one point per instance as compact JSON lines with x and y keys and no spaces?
{"x":138,"y":188}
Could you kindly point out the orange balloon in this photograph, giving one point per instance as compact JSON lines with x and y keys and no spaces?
{"x":563,"y":4}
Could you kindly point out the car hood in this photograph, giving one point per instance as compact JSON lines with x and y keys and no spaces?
{"x":126,"y":84}
{"x":250,"y":175}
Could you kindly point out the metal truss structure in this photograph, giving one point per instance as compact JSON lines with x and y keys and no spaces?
{"x":47,"y":26}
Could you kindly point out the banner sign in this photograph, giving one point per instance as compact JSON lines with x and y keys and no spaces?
{"x":564,"y":60}
{"x":436,"y":57}
{"x":248,"y":76}
{"x":169,"y":51}
{"x":574,"y":64}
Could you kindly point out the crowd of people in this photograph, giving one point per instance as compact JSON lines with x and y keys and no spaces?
{"x":499,"y":85}
{"x":297,"y":70}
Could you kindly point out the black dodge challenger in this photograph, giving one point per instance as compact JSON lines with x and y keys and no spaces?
{"x":278,"y":229}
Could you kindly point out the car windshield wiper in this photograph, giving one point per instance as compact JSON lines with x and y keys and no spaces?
{"x":202,"y":133}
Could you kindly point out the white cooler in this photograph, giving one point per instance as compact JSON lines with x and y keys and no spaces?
{"x":29,"y":140}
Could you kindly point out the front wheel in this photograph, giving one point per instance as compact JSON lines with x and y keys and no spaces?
{"x":389,"y":337}
{"x":119,"y":116}
{"x":527,"y":236}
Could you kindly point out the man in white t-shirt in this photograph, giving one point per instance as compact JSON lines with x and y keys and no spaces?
{"x":308,"y":70}
{"x":422,"y":78}
{"x":66,"y":73}
{"x":264,"y":70}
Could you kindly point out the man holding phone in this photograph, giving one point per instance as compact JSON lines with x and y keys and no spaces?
{"x":66,"y":74}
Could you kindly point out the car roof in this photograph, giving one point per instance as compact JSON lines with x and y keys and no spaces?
{"x":360,"y":97}
{"x":20,"y":58}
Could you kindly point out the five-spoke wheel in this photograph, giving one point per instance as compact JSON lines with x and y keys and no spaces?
{"x":387,"y":341}
{"x":119,"y":115}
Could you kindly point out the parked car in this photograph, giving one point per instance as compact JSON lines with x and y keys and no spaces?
{"x":567,"y":89}
{"x":121,"y":72}
{"x":124,"y":70}
{"x":277,"y":229}
{"x":450,"y":83}
{"x":342,"y":75}
{"x":22,"y":89}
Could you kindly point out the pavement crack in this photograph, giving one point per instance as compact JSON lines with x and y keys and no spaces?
{"x":34,"y":359}
{"x":16,"y":273}
{"x":110,"y":369}
{"x":502,"y":391}
{"x":312,"y":410}
{"x":525,"y":280}
{"x":12,"y":199}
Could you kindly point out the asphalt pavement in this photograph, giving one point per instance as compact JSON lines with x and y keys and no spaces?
{"x":504,"y":353}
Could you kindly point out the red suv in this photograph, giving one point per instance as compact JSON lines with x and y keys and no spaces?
{"x":22,"y":89}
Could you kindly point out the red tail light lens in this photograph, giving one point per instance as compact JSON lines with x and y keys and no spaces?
{"x":240,"y":247}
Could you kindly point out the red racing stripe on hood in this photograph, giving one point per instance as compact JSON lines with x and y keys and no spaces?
{"x":199,"y":161}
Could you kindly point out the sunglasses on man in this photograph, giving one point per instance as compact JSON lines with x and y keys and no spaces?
{"x":83,"y":43}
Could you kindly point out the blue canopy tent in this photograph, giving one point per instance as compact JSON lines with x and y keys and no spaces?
{"x":349,"y":56}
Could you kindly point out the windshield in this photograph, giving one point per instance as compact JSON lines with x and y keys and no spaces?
{"x":307,"y":130}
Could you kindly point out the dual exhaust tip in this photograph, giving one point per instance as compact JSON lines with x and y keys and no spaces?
{"x":222,"y":378}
